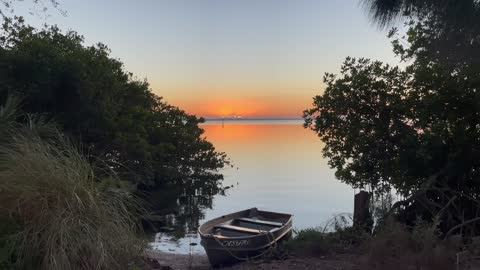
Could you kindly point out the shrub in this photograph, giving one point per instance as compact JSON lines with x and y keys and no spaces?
{"x":337,"y":236}
{"x":56,"y":214}
{"x":310,"y":242}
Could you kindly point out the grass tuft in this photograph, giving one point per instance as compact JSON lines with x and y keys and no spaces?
{"x":56,"y":214}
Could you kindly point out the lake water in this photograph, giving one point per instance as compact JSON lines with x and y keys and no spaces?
{"x":278,"y":166}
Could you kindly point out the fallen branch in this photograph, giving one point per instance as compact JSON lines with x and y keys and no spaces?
{"x":421,"y":192}
{"x":461,"y":225}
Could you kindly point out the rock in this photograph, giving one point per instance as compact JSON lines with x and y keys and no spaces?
{"x":153,"y":264}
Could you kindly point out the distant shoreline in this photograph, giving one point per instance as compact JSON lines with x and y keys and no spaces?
{"x":251,"y":119}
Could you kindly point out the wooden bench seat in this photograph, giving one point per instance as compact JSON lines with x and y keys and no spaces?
{"x":238,"y":229}
{"x":261,"y":222}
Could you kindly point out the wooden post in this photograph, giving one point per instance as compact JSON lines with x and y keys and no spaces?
{"x":361,"y":210}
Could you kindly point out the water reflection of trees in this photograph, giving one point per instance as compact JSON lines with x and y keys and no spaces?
{"x":181,"y":207}
{"x":149,"y":144}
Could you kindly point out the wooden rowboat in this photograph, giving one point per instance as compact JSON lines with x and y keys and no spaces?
{"x":243,"y":235}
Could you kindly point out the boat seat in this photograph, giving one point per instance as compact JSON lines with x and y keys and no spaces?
{"x":238,"y":229}
{"x":261,"y":222}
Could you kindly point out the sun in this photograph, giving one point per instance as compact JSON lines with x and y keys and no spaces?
{"x":225,"y":111}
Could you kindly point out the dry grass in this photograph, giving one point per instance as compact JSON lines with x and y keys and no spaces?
{"x":54,"y":213}
{"x":393,"y":247}
{"x":397,"y":247}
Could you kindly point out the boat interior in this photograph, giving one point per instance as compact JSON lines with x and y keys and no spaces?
{"x":254,"y":223}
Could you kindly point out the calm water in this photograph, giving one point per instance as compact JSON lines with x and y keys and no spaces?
{"x":278,"y":167}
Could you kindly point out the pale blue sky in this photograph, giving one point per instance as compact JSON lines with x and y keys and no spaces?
{"x":240,"y":52}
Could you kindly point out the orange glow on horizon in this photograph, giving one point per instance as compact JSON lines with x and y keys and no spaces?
{"x":266,"y":139}
{"x":246,"y":107}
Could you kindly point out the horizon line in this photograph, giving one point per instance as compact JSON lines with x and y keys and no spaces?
{"x":251,"y":118}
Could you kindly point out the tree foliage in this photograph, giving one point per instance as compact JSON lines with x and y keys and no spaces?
{"x":386,"y":12}
{"x":415,"y":129}
{"x":362,"y":118}
{"x":113,"y":115}
{"x":439,"y":30}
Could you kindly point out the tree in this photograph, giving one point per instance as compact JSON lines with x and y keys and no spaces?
{"x":440,"y":30}
{"x":415,"y":130}
{"x":362,"y":117}
{"x":115,"y":117}
{"x":386,"y":12}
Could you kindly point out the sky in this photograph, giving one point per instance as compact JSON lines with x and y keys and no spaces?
{"x":223,"y":58}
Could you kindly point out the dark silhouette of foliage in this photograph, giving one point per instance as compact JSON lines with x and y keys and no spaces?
{"x":386,"y":12}
{"x":362,"y":118}
{"x":416,"y":129}
{"x":439,"y":30}
{"x":114,"y":116}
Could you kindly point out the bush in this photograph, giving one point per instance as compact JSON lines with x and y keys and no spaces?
{"x":310,"y":242}
{"x":54,"y":213}
{"x":337,"y":236}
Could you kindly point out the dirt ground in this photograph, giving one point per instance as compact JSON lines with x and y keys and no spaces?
{"x":168,"y":261}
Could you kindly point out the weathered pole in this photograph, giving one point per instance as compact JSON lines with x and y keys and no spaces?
{"x":361,"y":211}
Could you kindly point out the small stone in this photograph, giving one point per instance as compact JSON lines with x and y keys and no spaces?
{"x":153,"y":263}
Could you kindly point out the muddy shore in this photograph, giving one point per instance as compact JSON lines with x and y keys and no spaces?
{"x":169,"y":261}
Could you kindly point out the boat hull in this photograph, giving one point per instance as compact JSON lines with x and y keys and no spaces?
{"x":228,"y":250}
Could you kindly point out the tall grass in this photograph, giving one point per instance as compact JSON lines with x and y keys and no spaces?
{"x":55,"y":213}
{"x":393,"y":246}
{"x":396,"y":246}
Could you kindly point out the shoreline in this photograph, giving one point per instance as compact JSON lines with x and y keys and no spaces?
{"x":169,"y":261}
{"x":178,"y":261}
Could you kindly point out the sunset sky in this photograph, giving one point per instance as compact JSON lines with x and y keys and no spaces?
{"x":214,"y":58}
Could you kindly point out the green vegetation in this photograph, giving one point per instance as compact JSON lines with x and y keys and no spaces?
{"x":414,"y":130}
{"x":453,"y":14}
{"x":114,"y":117}
{"x":336,"y":237}
{"x":56,"y":213}
{"x":86,"y":152}
{"x":394,"y":246}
